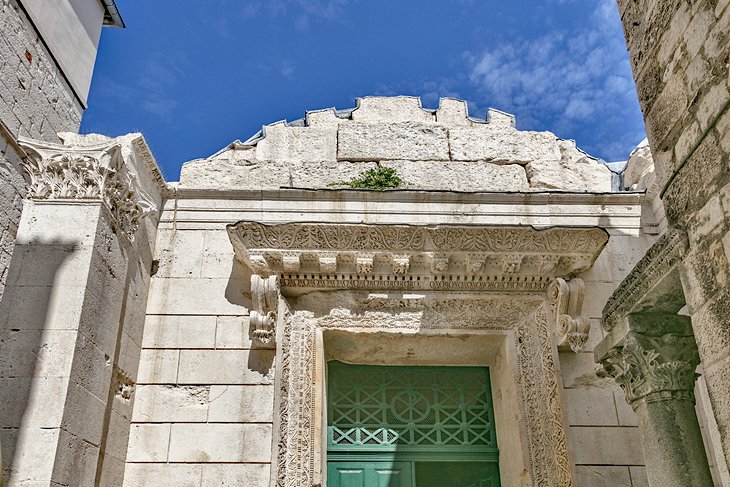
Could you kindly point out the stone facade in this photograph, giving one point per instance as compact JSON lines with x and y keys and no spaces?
{"x":36,"y":100}
{"x":194,"y":320}
{"x":182,"y":330}
{"x":679,"y":55}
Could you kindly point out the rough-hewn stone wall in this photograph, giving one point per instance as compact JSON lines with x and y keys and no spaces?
{"x":680,"y":55}
{"x":35,"y":101}
{"x":442,"y":149}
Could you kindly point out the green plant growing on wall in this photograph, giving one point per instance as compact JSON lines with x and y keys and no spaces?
{"x":376,"y":178}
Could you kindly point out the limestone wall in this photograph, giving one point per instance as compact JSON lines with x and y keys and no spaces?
{"x":35,"y":101}
{"x":442,"y":149}
{"x":204,"y":400}
{"x":679,"y":53}
{"x":72,"y":315}
{"x":603,"y":427}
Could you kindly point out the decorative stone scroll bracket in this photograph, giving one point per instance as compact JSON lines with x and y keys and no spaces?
{"x":265,"y":298}
{"x":566,"y":299}
{"x":58,"y":172}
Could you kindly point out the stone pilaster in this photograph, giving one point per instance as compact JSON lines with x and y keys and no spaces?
{"x":653,"y":358}
{"x":73,"y":310}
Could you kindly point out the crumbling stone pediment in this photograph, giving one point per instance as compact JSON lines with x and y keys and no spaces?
{"x":442,"y":149}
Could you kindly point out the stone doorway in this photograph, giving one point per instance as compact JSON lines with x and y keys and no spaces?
{"x":410,"y":426}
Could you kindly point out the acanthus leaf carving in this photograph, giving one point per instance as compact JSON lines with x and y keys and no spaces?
{"x":63,"y":173}
{"x":566,"y":299}
{"x":653,"y":368}
{"x":265,"y":300}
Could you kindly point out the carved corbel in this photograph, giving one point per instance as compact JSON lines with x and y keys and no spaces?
{"x":566,"y":298}
{"x":265,"y":299}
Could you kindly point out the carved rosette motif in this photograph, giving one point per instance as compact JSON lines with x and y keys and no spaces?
{"x":66,"y":173}
{"x":652,"y":368}
{"x":566,"y":299}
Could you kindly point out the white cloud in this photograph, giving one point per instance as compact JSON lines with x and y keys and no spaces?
{"x":564,"y":79}
{"x":302,"y":11}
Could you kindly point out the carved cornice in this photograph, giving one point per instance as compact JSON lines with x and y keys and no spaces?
{"x":86,"y":173}
{"x":459,"y":258}
{"x":265,"y":300}
{"x":566,"y":299}
{"x":653,"y":368}
{"x":658,"y":261}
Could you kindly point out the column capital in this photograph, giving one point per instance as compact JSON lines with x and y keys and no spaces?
{"x":91,"y":172}
{"x":650,"y":366}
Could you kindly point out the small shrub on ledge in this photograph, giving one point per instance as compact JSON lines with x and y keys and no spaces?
{"x":378,"y":178}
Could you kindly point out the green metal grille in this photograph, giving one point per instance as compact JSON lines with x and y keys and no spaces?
{"x":387,"y":406}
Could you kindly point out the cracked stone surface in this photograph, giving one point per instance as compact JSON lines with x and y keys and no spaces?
{"x":441,"y":149}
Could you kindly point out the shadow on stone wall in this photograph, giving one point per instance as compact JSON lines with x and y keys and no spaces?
{"x":28,"y":337}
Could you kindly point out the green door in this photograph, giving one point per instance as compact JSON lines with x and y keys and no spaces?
{"x":410,"y":427}
{"x":365,"y":474}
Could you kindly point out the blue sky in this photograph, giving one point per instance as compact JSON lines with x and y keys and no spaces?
{"x":193,"y":75}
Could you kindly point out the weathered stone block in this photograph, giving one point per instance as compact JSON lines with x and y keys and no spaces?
{"x":220,"y":443}
{"x":411,"y":141}
{"x":502,"y":144}
{"x":453,"y":113}
{"x":638,"y":476}
{"x":157,"y":474}
{"x":602,"y":476}
{"x":233,"y":332}
{"x":171,"y":404}
{"x":626,"y":415}
{"x":304,"y":144}
{"x":577,"y":175}
{"x":148,"y":442}
{"x":590,"y":407}
{"x":241,"y":404}
{"x":180,"y":253}
{"x":235,"y":475}
{"x":193,"y":297}
{"x":218,"y":255}
{"x":158,"y":366}
{"x":379,"y":109}
{"x":226,"y":367}
{"x":467,"y":176}
{"x":173,"y":331}
{"x":610,"y":445}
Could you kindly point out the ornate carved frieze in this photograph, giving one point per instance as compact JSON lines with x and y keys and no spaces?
{"x":650,"y":276}
{"x":653,"y":368}
{"x":538,"y":382}
{"x":263,"y":314}
{"x":462,"y":312}
{"x":86,"y":173}
{"x":566,"y":299}
{"x":453,"y":258}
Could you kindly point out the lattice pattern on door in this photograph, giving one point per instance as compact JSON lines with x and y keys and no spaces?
{"x":414,"y":406}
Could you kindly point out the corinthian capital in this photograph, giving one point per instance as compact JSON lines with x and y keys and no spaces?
{"x":90,"y":172}
{"x":653,"y":368}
